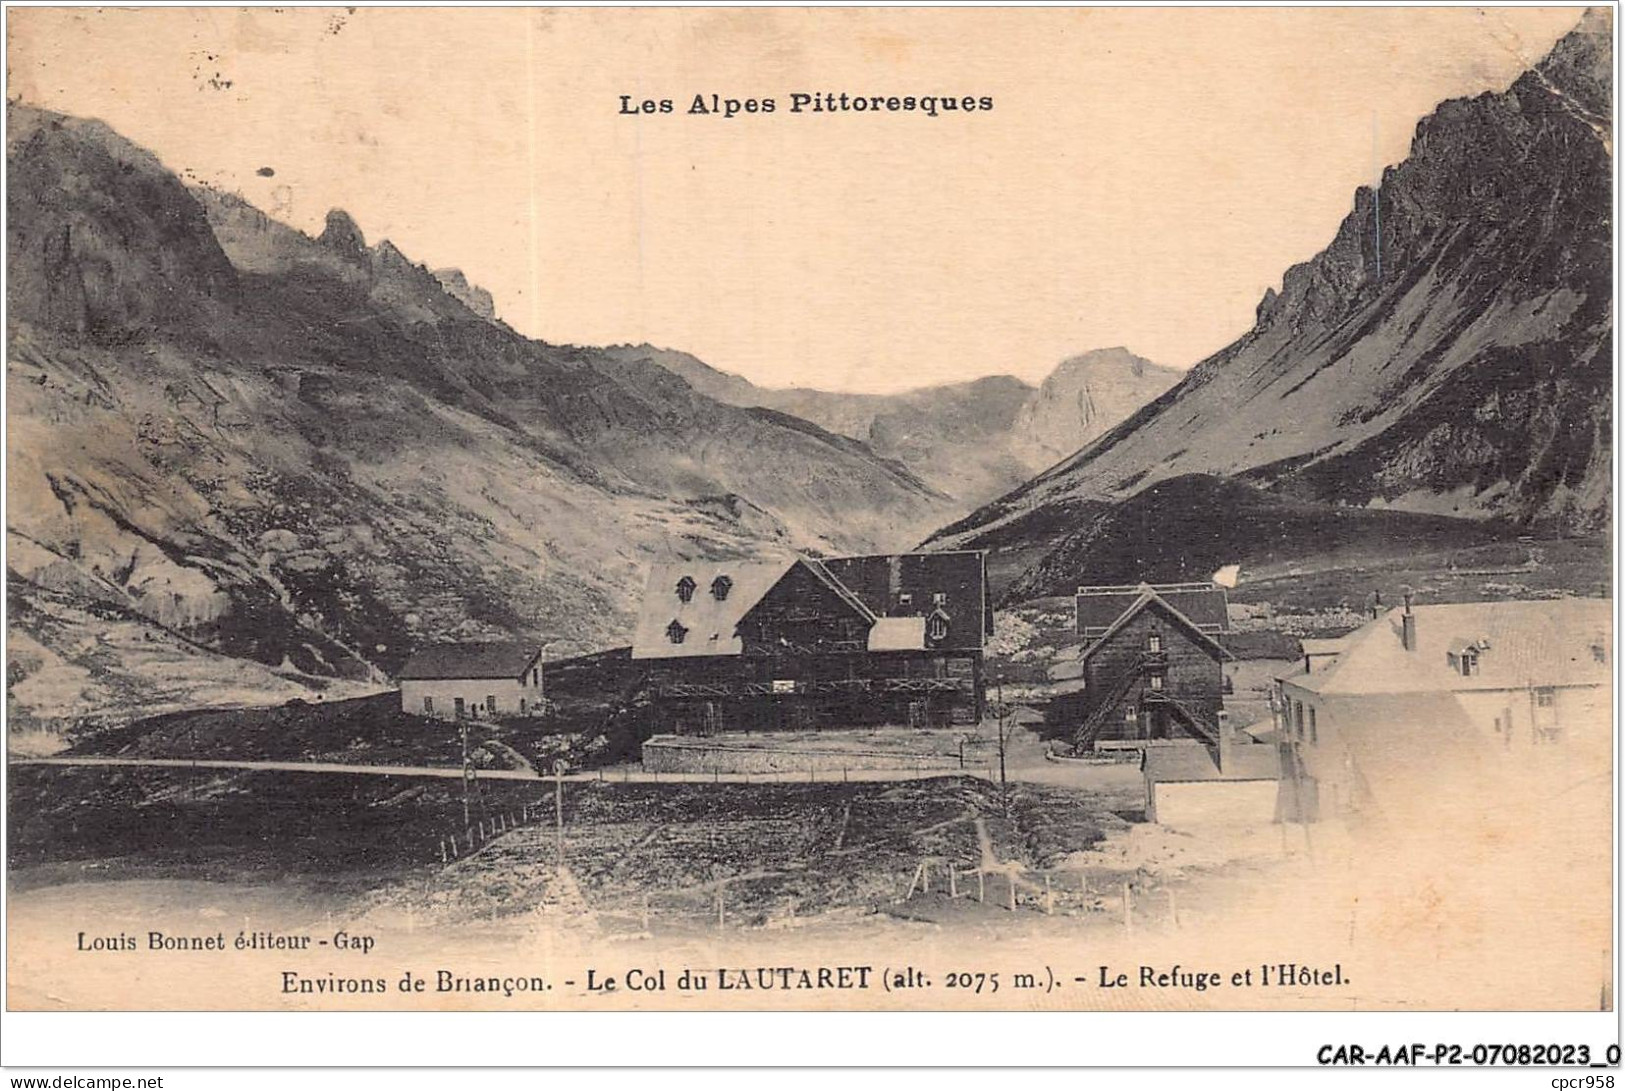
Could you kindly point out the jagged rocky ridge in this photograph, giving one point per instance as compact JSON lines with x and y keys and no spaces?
{"x":1457,"y":364}
{"x":244,"y":460}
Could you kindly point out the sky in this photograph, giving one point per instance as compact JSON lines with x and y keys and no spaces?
{"x":1142,"y":177}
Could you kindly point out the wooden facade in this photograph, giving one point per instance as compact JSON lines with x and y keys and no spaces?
{"x":1152,"y":675}
{"x":802,"y":650}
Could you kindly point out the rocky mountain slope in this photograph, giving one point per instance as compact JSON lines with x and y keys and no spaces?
{"x":972,"y":441}
{"x":285,"y":460}
{"x":1448,"y":354}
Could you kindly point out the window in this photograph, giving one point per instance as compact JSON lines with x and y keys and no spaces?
{"x":720,"y":587}
{"x":490,"y":702}
{"x":1314,"y":734}
{"x":536,"y":676}
{"x":939,"y":598}
{"x":457,"y":707}
{"x":1545,"y":698}
{"x":1469,"y":664}
{"x":685,"y":588}
{"x":675,"y":632}
{"x":1130,"y":717}
{"x":428,"y":706}
{"x":521,"y":706}
{"x":1156,"y":682}
{"x":937,"y":628}
{"x":905,"y":599}
{"x":1153,"y":643}
{"x":1297,"y":718}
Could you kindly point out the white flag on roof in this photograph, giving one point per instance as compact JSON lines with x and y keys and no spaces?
{"x":1227,"y":576}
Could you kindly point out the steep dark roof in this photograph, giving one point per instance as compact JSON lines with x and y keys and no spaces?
{"x":1205,"y":604}
{"x":1148,"y":598}
{"x":490,"y":660}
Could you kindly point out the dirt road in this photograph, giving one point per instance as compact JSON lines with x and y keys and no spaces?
{"x":621,"y":775}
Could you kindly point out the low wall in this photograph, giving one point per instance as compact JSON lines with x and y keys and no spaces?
{"x":677,"y":754}
{"x":1207,"y":803}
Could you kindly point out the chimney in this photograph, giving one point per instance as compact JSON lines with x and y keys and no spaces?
{"x":1407,"y":622}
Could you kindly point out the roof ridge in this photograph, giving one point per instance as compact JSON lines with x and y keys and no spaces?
{"x":817,"y":568}
{"x":1147,"y":597}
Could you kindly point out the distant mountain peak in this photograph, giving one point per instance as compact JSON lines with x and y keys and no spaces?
{"x":1116,"y":357}
{"x":1446,"y":355}
{"x":471,"y":295}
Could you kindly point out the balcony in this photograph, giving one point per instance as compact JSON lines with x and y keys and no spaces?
{"x":696,"y":689}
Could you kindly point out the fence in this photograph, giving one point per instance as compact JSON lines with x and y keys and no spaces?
{"x":475,"y":837}
{"x":1046,"y":894}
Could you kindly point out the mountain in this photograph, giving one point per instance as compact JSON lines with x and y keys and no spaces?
{"x":1448,"y":354}
{"x":283,"y":461}
{"x":1083,"y":398}
{"x":971,"y":441}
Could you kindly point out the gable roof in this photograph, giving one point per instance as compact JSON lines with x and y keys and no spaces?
{"x":1148,"y":597}
{"x":712,"y":625}
{"x":873,"y":587}
{"x":478,"y":660}
{"x":1206,"y":605}
{"x":1533,"y":643}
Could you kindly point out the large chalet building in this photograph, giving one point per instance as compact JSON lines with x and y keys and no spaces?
{"x":1152,"y":663}
{"x":804,"y":643}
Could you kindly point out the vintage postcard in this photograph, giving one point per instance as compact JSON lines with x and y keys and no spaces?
{"x":817,"y":509}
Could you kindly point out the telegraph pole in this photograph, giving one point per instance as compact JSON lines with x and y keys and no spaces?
{"x":468,"y":770}
{"x":558,"y":811}
{"x":1004,"y":784}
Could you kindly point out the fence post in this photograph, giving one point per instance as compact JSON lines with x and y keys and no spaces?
{"x":1010,"y":876}
{"x":953,"y":881}
{"x":981,"y":885}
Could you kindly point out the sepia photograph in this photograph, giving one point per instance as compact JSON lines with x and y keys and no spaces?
{"x":812,"y":509}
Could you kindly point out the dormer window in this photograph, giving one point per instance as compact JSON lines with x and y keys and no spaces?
{"x":1153,"y":643}
{"x":685,"y":589}
{"x":905,"y":599}
{"x":939,"y":598}
{"x":675,"y":632}
{"x":1469,"y":663}
{"x":1156,"y":682}
{"x":720,"y":587}
{"x":936,"y":627}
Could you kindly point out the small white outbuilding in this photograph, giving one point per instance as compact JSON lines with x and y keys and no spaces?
{"x":473,"y":681}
